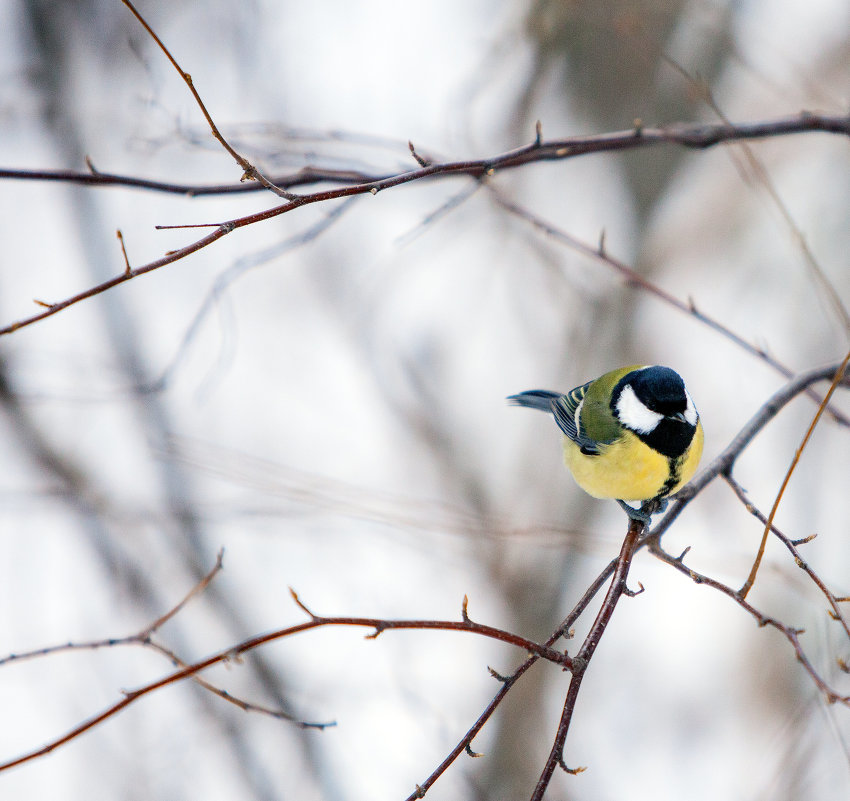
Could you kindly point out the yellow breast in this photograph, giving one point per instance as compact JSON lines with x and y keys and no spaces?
{"x":629,"y":469}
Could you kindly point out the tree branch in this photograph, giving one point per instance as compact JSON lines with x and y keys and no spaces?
{"x":691,"y":136}
{"x":582,"y":659}
{"x":190,"y":670}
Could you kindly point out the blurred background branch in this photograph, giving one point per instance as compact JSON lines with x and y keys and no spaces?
{"x":335,"y":417}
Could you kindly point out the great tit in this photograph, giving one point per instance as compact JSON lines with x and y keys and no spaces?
{"x":632,"y":434}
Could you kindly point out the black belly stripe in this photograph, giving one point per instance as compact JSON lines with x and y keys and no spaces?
{"x":674,"y":473}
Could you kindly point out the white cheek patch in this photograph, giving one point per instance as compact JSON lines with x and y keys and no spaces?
{"x":690,"y":411}
{"x":634,"y":415}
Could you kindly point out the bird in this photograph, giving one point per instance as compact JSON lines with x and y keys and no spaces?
{"x":632,"y":434}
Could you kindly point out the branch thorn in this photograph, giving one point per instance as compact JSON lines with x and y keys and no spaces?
{"x":571,"y":771}
{"x":301,"y":605}
{"x":470,"y":752}
{"x":376,"y":633}
{"x":419,"y":159}
{"x":127,"y":268}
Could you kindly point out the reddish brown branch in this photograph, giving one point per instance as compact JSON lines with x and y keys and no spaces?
{"x":582,"y":659}
{"x":465,"y":744}
{"x":466,"y":624}
{"x":833,"y":601}
{"x":377,"y":624}
{"x":633,"y":278}
{"x":790,"y":633}
{"x":839,"y":375}
{"x":695,"y":136}
{"x":145,"y":639}
{"x":249,"y":171}
{"x":139,"y":637}
{"x":688,"y":135}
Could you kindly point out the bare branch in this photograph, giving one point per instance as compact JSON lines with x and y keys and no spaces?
{"x":790,"y":633}
{"x":120,"y":236}
{"x":582,"y":659}
{"x":307,"y":176}
{"x":791,"y":545}
{"x":193,"y":593}
{"x":687,"y":135}
{"x":234,"y":653}
{"x":692,"y":136}
{"x":633,"y":278}
{"x":508,"y":681}
{"x":249,"y":171}
{"x":759,"y":171}
{"x":725,"y":461}
{"x":141,"y":637}
{"x":839,"y":376}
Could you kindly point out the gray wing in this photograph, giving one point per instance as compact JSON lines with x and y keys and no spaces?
{"x":564,"y":408}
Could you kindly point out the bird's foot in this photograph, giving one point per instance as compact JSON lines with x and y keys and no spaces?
{"x":647,"y":509}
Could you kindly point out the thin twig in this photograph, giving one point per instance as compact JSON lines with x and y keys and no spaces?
{"x":306,"y":176}
{"x":509,"y":681}
{"x":633,"y":278}
{"x":839,"y":375}
{"x":144,"y":638}
{"x":241,"y":703}
{"x":140,"y":637}
{"x":378,"y":626}
{"x":833,"y":601}
{"x":725,"y":461}
{"x":120,"y":236}
{"x":691,"y":136}
{"x":790,"y":633}
{"x":687,"y":135}
{"x":193,"y":593}
{"x":582,"y":659}
{"x":759,"y":172}
{"x":249,"y":171}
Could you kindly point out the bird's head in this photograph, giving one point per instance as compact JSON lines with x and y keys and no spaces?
{"x":653,"y":403}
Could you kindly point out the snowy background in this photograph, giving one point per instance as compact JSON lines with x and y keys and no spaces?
{"x":330,"y":409}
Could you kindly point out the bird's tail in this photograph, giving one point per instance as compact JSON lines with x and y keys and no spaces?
{"x":541,"y":399}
